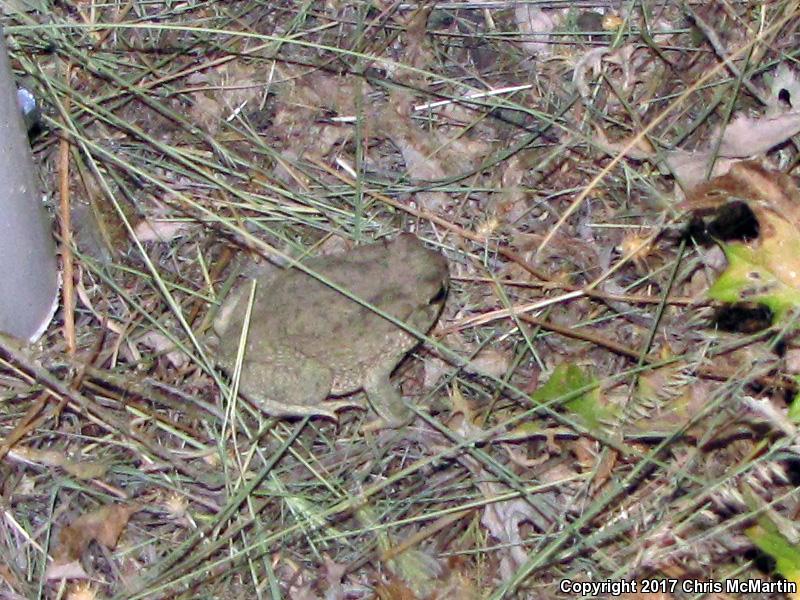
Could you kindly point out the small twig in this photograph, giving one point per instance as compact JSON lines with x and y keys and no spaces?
{"x":65,"y":224}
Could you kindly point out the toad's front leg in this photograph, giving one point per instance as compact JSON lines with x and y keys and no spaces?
{"x":386,"y":400}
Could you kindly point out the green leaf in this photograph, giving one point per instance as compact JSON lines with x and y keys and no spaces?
{"x":748,"y":280}
{"x":767,"y":271}
{"x":579,"y":393}
{"x":769,"y":540}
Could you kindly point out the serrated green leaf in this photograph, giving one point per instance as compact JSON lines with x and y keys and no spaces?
{"x":567,"y":381}
{"x":769,"y":540}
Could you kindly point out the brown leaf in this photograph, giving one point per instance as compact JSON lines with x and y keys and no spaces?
{"x":505,"y":520}
{"x":418,"y":52}
{"x":535,"y":26}
{"x":744,"y":137}
{"x":103,"y":525}
{"x":751,"y":181}
{"x":158,"y":230}
{"x":784,"y":81}
{"x":160,"y":343}
{"x":491,"y":361}
{"x":334,"y":573}
{"x":585,"y":453}
{"x":67,"y":570}
{"x":775,"y":201}
{"x":747,"y":136}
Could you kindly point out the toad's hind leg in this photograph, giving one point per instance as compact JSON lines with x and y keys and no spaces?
{"x":287,"y":387}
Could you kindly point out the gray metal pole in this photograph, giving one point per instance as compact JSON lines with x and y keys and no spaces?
{"x":28,"y":271}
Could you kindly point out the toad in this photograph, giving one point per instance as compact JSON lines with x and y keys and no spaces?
{"x":307,"y":341}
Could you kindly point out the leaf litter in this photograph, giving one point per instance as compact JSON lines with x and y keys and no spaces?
{"x":585,"y":415}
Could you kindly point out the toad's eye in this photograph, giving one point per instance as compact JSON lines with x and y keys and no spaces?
{"x":439,"y":296}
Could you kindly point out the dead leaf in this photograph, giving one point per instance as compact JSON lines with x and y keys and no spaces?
{"x":157,"y":230}
{"x":520,"y":459}
{"x":460,"y":404}
{"x":511,"y":202}
{"x":612,"y":22}
{"x":334,"y":573}
{"x":586,"y":453}
{"x":300,"y":578}
{"x":492,"y":362}
{"x":747,"y":136}
{"x":691,"y":168}
{"x":535,"y":25}
{"x":590,"y":65}
{"x":160,"y":343}
{"x":418,"y":52}
{"x":744,"y":137}
{"x":504,"y":521}
{"x":103,"y":525}
{"x":605,"y":470}
{"x":783,"y":80}
{"x":765,"y":270}
{"x":69,"y":570}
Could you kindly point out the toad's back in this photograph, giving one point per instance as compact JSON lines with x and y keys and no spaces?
{"x":303,"y":315}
